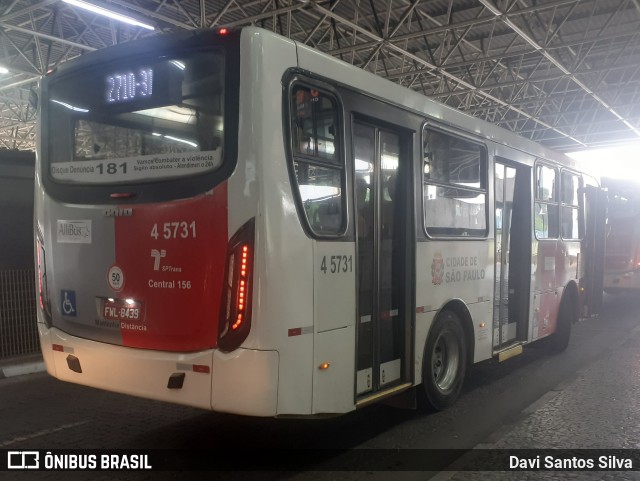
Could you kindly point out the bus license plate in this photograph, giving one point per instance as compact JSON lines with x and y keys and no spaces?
{"x":122,"y":310}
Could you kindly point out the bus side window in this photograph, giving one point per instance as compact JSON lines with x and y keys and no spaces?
{"x":454,"y":192}
{"x":547,"y":213}
{"x":569,"y":198}
{"x":314,"y":124}
{"x":317,"y":160}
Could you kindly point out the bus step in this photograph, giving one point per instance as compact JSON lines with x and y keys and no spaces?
{"x":509,"y":353}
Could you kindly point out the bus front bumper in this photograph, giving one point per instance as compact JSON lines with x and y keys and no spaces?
{"x":621,"y":281}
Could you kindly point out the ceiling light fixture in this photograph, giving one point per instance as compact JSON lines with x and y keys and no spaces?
{"x":108,"y":13}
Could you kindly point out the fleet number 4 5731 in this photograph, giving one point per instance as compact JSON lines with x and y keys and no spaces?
{"x":174,"y":230}
{"x":336,"y":264}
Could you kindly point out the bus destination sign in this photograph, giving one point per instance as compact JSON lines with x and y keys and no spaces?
{"x":128,"y":86}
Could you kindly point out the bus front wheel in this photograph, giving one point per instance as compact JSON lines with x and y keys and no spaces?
{"x":444,"y":363}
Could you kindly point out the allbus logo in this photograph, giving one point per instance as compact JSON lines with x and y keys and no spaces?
{"x":23,"y":460}
{"x":74,"y":231}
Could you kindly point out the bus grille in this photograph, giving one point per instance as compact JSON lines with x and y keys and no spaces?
{"x":18,"y":329}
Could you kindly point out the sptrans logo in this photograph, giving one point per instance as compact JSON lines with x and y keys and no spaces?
{"x":23,"y":460}
{"x":437,"y":269}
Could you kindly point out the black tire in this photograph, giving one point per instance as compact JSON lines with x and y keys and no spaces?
{"x":559,"y":340}
{"x":444,"y":364}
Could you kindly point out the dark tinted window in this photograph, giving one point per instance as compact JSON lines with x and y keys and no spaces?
{"x":317,"y":162}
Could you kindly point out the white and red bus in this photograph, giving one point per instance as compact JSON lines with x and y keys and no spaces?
{"x":622,"y":251}
{"x":234,"y":221}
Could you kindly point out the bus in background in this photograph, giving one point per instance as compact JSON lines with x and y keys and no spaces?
{"x":622,"y":251}
{"x":231,"y":220}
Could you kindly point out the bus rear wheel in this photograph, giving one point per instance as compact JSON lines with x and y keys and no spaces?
{"x":567,"y":315}
{"x":444,"y":363}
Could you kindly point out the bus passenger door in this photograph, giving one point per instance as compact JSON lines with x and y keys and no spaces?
{"x":593,"y":244}
{"x":512,"y":253}
{"x":381,"y":213}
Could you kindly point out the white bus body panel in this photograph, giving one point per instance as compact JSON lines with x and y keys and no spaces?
{"x":245,"y":381}
{"x":46,"y":346}
{"x":334,"y":306}
{"x":284,"y":254}
{"x":461,"y":270}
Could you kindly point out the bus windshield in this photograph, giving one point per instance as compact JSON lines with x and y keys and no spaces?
{"x":137,"y":120}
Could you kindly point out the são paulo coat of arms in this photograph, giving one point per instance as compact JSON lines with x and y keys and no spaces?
{"x":437,"y":269}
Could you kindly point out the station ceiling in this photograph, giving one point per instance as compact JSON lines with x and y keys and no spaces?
{"x":565,"y":73}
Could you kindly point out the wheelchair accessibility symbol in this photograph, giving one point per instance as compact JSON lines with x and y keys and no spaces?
{"x":68,"y":303}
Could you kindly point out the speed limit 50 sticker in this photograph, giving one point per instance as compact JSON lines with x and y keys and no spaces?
{"x":115,"y":277}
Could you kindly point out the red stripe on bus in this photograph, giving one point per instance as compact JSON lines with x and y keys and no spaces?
{"x":172,"y":256}
{"x":297,"y":331}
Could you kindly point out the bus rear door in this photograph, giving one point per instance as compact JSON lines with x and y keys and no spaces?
{"x":513,"y":253}
{"x":381,"y":170}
